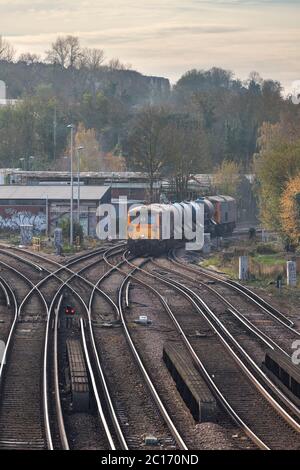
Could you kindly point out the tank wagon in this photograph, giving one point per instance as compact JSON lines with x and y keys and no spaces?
{"x":144,"y":225}
{"x":190,"y":384}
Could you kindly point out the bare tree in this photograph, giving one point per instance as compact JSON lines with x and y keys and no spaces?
{"x":29,"y":58}
{"x":116,"y":64}
{"x":146,"y":144}
{"x":65,"y":51}
{"x":92,"y":59}
{"x":7,"y":52}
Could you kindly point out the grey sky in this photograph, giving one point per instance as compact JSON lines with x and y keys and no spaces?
{"x":167,"y":37}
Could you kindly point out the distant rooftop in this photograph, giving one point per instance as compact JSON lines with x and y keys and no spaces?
{"x":4,"y":102}
{"x":66,"y":174}
{"x":53,"y":193}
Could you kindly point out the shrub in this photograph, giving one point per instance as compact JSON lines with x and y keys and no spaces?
{"x":266,"y":249}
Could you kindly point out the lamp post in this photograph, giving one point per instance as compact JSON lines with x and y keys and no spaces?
{"x":72,"y":127}
{"x":31,"y":158}
{"x":22,"y":160}
{"x":79,"y":149}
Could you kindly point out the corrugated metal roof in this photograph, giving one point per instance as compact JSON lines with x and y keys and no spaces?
{"x":84,"y":174}
{"x":54,"y":193}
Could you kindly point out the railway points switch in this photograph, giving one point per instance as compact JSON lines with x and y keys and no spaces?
{"x":151,"y":441}
{"x":143,"y":320}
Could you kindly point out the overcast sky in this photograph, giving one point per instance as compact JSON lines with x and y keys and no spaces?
{"x":168,"y":37}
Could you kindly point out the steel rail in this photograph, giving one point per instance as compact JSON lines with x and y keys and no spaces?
{"x":293,"y":408}
{"x":58,"y":407}
{"x":179,"y":441}
{"x":92,"y":377}
{"x":49,"y":309}
{"x":238,"y":315}
{"x":8,"y":345}
{"x":27,"y":261}
{"x":12,"y":328}
{"x":252,"y":296}
{"x":4,"y":287}
{"x":70,"y":271}
{"x":102,"y":378}
{"x":111,"y":409}
{"x":181,"y":444}
{"x":269,"y":341}
{"x":98,"y":401}
{"x":214,"y":388}
{"x":190,"y":295}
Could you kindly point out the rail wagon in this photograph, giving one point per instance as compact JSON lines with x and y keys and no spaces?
{"x":281,"y":370}
{"x":145,"y":228}
{"x":190,"y":384}
{"x":224,"y":214}
{"x":77,"y":377}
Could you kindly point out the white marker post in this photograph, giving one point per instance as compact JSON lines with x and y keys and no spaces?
{"x":207,"y":244}
{"x":291,"y":271}
{"x":243,"y":268}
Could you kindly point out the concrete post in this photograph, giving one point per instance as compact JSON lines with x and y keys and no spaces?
{"x":264,"y":236}
{"x":243,"y":268}
{"x":207,"y":244}
{"x":291,"y":271}
{"x":58,"y":240}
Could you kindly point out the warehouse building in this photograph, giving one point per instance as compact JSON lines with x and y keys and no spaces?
{"x":44,"y":207}
{"x":134,"y":185}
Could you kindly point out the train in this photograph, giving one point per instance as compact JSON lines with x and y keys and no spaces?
{"x":144,"y":225}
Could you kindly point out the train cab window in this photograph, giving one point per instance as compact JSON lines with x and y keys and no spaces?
{"x":151,"y":219}
{"x":285,"y":378}
{"x":134,"y":219}
{"x":295,"y":387}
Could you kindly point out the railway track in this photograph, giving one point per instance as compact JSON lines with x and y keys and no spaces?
{"x":20,"y":408}
{"x":25,"y":363}
{"x":262,"y":314}
{"x":224,"y":370}
{"x":243,"y":307}
{"x":70,"y":429}
{"x":111,"y":349}
{"x":146,"y":415}
{"x":8,"y":310}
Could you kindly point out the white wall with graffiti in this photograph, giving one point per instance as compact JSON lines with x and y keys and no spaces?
{"x":12,"y":218}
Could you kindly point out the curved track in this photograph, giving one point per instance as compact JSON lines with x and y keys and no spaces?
{"x":245,"y":385}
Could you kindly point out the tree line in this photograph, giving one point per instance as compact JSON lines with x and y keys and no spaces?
{"x":209,"y":121}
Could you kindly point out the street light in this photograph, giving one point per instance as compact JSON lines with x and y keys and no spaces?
{"x":31,"y":158}
{"x":23,"y":161}
{"x":72,"y":127}
{"x":79,"y":149}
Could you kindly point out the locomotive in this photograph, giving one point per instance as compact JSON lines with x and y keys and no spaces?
{"x":144,"y":226}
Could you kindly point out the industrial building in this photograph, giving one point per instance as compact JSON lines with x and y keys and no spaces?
{"x":134,"y":185}
{"x":44,"y":206}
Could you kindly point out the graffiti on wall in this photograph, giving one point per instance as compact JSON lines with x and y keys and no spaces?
{"x":11,"y":219}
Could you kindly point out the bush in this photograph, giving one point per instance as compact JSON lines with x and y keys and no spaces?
{"x":252,"y":233}
{"x":266,"y":249}
{"x":77,"y":230}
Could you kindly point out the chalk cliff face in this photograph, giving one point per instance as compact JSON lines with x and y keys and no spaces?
{"x":2,"y":90}
{"x":130,"y":86}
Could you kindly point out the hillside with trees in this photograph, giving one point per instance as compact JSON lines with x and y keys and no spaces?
{"x":209,"y":121}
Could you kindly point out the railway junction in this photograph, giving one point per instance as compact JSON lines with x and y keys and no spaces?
{"x":107,"y":350}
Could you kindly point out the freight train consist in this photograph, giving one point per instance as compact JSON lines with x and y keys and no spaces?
{"x":145,"y":228}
